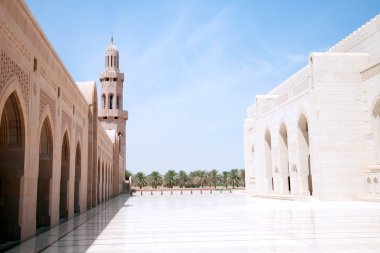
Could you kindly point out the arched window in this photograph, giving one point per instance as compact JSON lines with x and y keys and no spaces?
{"x":111,"y":101}
{"x":117,"y":102}
{"x":104,"y":101}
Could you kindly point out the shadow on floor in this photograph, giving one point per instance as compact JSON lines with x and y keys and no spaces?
{"x":77,"y":233}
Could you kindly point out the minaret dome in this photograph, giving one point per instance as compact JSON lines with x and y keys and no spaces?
{"x":112,"y":56}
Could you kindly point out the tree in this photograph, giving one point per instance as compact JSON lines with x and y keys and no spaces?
{"x":213,"y":178}
{"x":203,"y":177}
{"x":182,"y":179}
{"x":127,"y":174}
{"x":140,"y":179}
{"x":155,"y":179}
{"x":170,"y":178}
{"x":225,"y":178}
{"x":194,"y":177}
{"x":234,"y":177}
{"x":242,"y":177}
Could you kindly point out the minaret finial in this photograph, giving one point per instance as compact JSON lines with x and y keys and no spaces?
{"x":112,"y":38}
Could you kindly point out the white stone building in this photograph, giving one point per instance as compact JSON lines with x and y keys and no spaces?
{"x":318,"y":132}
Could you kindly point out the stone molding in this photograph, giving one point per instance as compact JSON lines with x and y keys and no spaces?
{"x":370,"y":72}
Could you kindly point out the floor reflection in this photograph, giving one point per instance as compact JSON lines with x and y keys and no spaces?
{"x":218,"y":223}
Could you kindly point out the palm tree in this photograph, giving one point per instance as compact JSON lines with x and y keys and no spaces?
{"x":194,"y":177}
{"x":242,"y":177}
{"x":213,"y":178}
{"x":182,"y":179}
{"x":225,"y":178}
{"x":170,"y":178}
{"x":203,"y":177}
{"x":234,"y":177}
{"x":140,"y":179}
{"x":155,"y":179}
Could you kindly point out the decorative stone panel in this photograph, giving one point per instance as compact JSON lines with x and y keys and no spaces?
{"x":66,"y":120}
{"x":46,"y":101}
{"x":10,"y":69}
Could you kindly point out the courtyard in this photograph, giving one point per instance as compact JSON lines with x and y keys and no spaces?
{"x":217,"y":222}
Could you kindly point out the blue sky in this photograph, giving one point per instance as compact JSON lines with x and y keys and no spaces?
{"x":193,"y":67}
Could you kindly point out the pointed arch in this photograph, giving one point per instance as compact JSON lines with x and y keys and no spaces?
{"x":110,"y":101}
{"x":104,"y":101}
{"x":304,"y":154}
{"x":268,"y":161}
{"x":65,"y":176}
{"x":284,"y":159}
{"x":102,"y":182}
{"x":45,"y":171}
{"x":98,"y":182}
{"x":376,"y":126}
{"x":78,"y":172}
{"x":12,"y":163}
{"x":13,"y":87}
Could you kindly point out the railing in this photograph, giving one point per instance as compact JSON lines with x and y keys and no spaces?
{"x":113,"y":112}
{"x":183,"y":191}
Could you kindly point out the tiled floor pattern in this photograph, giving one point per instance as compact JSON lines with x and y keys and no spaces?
{"x":216,"y":223}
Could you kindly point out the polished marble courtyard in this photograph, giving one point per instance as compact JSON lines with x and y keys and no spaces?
{"x":218,"y":222}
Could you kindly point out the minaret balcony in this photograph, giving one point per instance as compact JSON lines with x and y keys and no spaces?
{"x":113,"y":113}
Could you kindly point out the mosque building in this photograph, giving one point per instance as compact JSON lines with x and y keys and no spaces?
{"x":60,"y":152}
{"x":318,"y":133}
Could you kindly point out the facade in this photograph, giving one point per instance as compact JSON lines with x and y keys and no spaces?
{"x":60,"y":153}
{"x":318,"y":133}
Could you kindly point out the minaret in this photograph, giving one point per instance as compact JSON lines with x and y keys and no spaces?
{"x":111,"y":114}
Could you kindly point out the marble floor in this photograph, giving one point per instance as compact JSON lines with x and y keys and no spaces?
{"x":218,"y":222}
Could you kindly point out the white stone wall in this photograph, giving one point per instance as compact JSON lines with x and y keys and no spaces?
{"x":338,"y":93}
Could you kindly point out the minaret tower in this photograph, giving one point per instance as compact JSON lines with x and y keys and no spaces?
{"x":111,"y":114}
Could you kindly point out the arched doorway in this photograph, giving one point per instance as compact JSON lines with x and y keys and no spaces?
{"x":12,"y":156}
{"x":108,"y":182}
{"x":376,"y":128}
{"x":65,"y":175}
{"x":102,"y":182}
{"x":105,"y":182}
{"x":99,"y":189}
{"x":45,"y":169}
{"x":284,"y":160}
{"x":268,"y":161}
{"x":78,"y":169}
{"x":98,"y":183}
{"x":304,"y":154}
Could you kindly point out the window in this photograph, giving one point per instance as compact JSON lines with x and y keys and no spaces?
{"x":35,"y":65}
{"x":111,"y":101}
{"x":104,"y":101}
